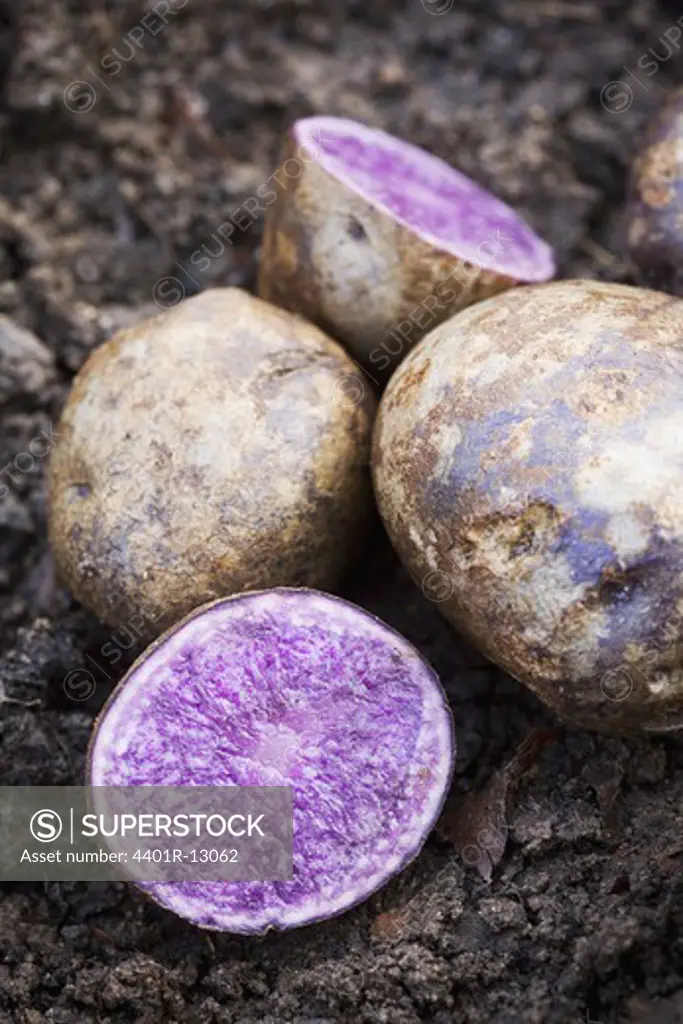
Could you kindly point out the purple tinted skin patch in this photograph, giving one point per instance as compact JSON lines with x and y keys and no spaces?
{"x":443,"y":206}
{"x":296,"y":688}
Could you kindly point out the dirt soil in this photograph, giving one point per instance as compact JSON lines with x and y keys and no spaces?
{"x":106,"y":187}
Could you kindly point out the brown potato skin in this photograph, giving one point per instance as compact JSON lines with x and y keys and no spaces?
{"x":347,"y":266}
{"x":220,"y":447}
{"x":528,"y":465}
{"x":654,"y":212}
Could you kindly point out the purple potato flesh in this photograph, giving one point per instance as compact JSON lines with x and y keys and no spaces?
{"x":288,"y":688}
{"x":426,"y":194}
{"x":368,"y":229}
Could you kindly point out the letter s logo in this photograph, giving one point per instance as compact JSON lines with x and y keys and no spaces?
{"x":46,"y":826}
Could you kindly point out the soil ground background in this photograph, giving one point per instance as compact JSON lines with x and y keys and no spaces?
{"x":106,"y":187}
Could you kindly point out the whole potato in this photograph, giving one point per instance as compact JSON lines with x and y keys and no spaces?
{"x":222,"y":446}
{"x":654,"y":214}
{"x":528,"y":464}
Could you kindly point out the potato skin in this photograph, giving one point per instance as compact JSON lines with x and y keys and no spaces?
{"x":222,"y":446}
{"x":528,"y":465}
{"x":347,"y":266}
{"x":654,"y":212}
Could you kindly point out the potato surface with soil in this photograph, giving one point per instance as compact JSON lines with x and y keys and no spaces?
{"x":222,"y":446}
{"x":528,"y":464}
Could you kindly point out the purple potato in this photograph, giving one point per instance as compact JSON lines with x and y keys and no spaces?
{"x":222,"y":446}
{"x":654,"y":212}
{"x":528,"y":465}
{"x":377,"y":240}
{"x":288,"y":688}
